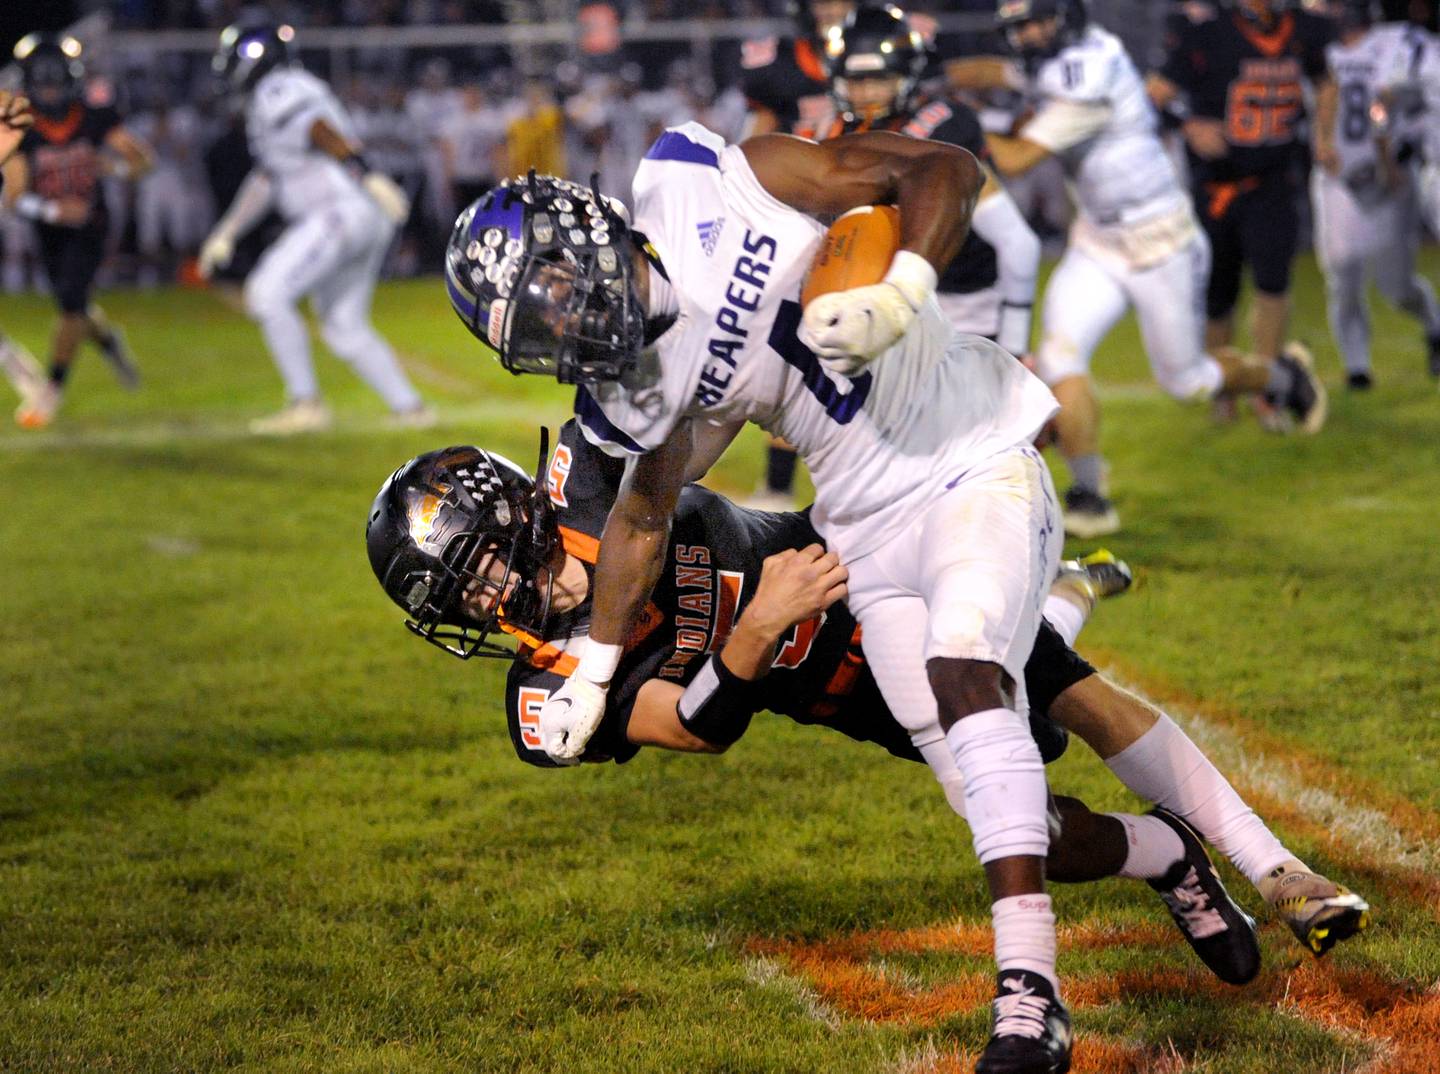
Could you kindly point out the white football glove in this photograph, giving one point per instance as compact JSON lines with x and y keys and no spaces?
{"x":850,"y":329}
{"x":388,"y":195}
{"x":569,"y":717}
{"x":219,"y":248}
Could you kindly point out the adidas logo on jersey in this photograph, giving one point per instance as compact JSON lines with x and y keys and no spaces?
{"x":710,"y":234}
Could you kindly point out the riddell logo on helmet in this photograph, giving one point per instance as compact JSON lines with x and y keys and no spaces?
{"x":495,"y":327}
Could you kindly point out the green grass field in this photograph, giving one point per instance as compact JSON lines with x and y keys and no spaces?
{"x":248,"y":823}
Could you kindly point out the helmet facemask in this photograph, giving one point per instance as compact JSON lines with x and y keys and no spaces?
{"x":542,"y":271}
{"x":461,"y":539}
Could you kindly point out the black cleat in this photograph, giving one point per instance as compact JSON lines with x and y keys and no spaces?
{"x":1432,"y":362}
{"x":1359,"y":381}
{"x":1303,"y":406}
{"x":1029,"y":1028}
{"x":1221,"y":933}
{"x":1088,"y":514}
{"x":122,"y":362}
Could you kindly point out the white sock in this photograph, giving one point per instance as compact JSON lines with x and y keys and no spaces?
{"x":1153,"y":846}
{"x":1066,"y":617}
{"x":1165,"y":767}
{"x":1025,"y":936}
{"x":1004,"y":779}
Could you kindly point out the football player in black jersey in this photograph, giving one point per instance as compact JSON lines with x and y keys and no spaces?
{"x":1235,"y":80}
{"x":876,"y":60}
{"x":54,"y":180}
{"x":15,"y":119}
{"x":743,"y":621}
{"x":784,"y":78}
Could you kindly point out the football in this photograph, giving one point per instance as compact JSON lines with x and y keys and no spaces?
{"x":856,"y":251}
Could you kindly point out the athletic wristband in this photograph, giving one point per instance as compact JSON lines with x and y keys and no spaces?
{"x":34,"y":207}
{"x":599,"y":661}
{"x":718,"y":704}
{"x":1014,"y":331}
{"x":913,"y":276}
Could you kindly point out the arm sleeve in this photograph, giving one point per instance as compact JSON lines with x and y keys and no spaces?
{"x":1061,"y":124}
{"x":252,"y":202}
{"x":998,"y":221}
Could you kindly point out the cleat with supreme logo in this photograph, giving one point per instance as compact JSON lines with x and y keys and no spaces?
{"x":1214,"y":926}
{"x":1319,"y":912}
{"x":1029,"y":1028}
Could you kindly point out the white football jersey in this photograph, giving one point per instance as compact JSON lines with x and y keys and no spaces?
{"x":1120,"y":171}
{"x":283,"y":106}
{"x":878,"y":445}
{"x":1389,"y":52}
{"x":1410,"y":67}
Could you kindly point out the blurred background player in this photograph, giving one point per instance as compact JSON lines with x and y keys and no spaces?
{"x":1367,"y":217}
{"x":784,"y":78}
{"x":340,"y":219}
{"x":17,"y":363}
{"x":54,"y":181}
{"x":1134,"y":242}
{"x":876,"y":59}
{"x":1236,"y":77}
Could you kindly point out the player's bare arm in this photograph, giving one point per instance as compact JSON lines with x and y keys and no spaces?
{"x":1014,"y":154}
{"x":934,"y":185}
{"x":385,"y":191}
{"x":632,"y":548}
{"x":795,"y":585}
{"x":131,"y":155}
{"x":982,"y":73}
{"x":1204,"y":135}
{"x":1322,"y":148}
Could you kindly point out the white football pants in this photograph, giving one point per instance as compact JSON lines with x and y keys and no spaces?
{"x":968,"y":580}
{"x":1087,"y":294}
{"x":1354,"y":241}
{"x":334,"y":257}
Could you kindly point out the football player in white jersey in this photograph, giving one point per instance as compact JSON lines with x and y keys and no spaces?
{"x":918,"y":439}
{"x":1135,"y":241}
{"x":1367,"y":213}
{"x":340,"y":216}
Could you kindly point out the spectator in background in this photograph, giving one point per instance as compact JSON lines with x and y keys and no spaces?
{"x":428,"y":107}
{"x":391,"y":146}
{"x":535,"y":135}
{"x":472,"y":142}
{"x":172,"y":205}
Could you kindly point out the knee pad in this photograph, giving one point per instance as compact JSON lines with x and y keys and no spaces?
{"x":1005,"y":795}
{"x":1196,"y":382}
{"x":1058,"y":359}
{"x":262,"y":299}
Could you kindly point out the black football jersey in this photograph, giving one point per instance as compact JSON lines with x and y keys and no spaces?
{"x":712,"y":568}
{"x":1252,"y":80}
{"x":64,"y":154}
{"x":942,"y":119}
{"x":787,"y":76}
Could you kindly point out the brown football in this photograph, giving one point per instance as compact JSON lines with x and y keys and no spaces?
{"x":855,"y":252}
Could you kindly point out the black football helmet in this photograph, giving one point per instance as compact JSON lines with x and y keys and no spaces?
{"x":541,"y":270}
{"x":247,"y":53}
{"x":51,"y":71}
{"x":875,"y":41}
{"x":1012,"y":14}
{"x":1357,"y":14}
{"x":434,"y":520}
{"x":1266,"y":12}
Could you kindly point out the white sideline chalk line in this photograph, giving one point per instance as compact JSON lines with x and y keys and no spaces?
{"x":205,"y":431}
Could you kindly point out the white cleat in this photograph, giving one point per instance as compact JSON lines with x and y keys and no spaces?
{"x":417,"y":417}
{"x":38,"y":408}
{"x":301,"y":416}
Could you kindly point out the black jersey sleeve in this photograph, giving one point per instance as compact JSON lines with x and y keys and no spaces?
{"x":1184,"y":45}
{"x":101,"y":122}
{"x":582,"y":482}
{"x":948,"y":121}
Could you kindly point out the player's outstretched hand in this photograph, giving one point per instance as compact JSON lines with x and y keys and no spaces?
{"x":569,"y":717}
{"x":15,"y":119}
{"x":388,"y":195}
{"x":795,"y":585}
{"x":216,"y":253}
{"x":849,"y":329}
